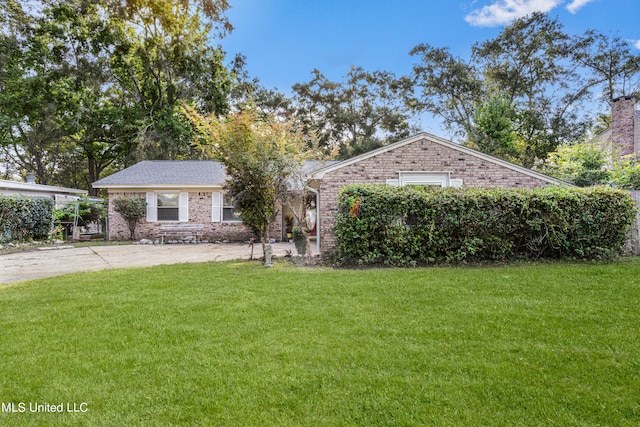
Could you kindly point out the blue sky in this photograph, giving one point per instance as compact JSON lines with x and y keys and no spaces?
{"x":284,"y":40}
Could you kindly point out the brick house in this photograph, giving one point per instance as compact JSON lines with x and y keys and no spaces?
{"x":423,"y":159}
{"x":192,"y":191}
{"x":177,"y":192}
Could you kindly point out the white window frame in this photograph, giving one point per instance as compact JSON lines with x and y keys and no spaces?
{"x":218,"y":207}
{"x":152,"y":206}
{"x":436,"y":179}
{"x":224,"y":206}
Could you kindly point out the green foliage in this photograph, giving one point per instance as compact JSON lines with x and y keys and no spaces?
{"x":541,"y":76}
{"x":587,"y":164}
{"x":408,"y":225}
{"x":24,"y":218}
{"x":262,"y":154}
{"x":88,"y":86}
{"x":88,"y":212}
{"x":131,"y":209}
{"x":626,"y":173}
{"x":581,"y":164}
{"x":299,"y":240}
{"x":358,"y":114}
{"x":494,"y":132}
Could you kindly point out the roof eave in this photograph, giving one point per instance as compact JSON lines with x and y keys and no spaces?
{"x":157,"y":186}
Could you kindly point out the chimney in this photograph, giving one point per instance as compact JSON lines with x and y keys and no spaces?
{"x":623,"y":112}
{"x":31,"y":178}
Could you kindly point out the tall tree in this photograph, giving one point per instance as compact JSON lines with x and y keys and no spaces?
{"x":528,"y":65}
{"x":164,"y":56}
{"x":356,"y":115}
{"x":612,"y":68}
{"x":102,"y":79}
{"x":260,"y":154}
{"x":445,"y":86}
{"x":29,"y":101}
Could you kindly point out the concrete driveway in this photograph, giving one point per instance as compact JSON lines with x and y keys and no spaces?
{"x":54,"y":262}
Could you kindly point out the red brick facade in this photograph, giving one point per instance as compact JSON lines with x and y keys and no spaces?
{"x":422,"y":155}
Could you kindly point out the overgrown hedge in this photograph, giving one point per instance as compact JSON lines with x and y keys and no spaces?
{"x":413,"y":225}
{"x":25,"y":218}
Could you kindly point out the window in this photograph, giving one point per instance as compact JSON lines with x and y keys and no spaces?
{"x":223,"y":208}
{"x":440,"y":179}
{"x":229,"y":211}
{"x":168,"y":207}
{"x":433,"y":179}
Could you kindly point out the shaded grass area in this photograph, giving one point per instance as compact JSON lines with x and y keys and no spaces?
{"x":236,"y":344}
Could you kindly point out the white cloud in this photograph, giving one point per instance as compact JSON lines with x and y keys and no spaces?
{"x":636,"y":44}
{"x":576,"y":5}
{"x":504,"y":11}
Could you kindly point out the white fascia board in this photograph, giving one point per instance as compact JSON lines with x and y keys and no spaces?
{"x":140,"y":187}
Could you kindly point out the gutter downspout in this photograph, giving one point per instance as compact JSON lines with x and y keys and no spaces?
{"x":317,"y":193}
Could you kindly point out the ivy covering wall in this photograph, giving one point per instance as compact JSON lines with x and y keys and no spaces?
{"x":418,"y":225}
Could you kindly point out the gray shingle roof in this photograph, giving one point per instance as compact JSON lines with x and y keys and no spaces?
{"x":167,"y":172}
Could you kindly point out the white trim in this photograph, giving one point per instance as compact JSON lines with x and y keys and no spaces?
{"x":317,"y":194}
{"x":439,"y":179}
{"x":227,"y":221}
{"x":152,"y":210}
{"x":216,"y":206}
{"x":168,"y":187}
{"x":455,"y":183}
{"x":320,"y":173}
{"x":183,"y":207}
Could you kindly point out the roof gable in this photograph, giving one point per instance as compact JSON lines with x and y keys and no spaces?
{"x":320,"y":173}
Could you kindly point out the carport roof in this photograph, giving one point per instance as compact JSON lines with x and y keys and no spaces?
{"x":167,"y":173}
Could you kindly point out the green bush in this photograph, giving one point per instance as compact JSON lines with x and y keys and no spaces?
{"x":299,"y":241}
{"x":414,"y":225}
{"x":25,"y":218}
{"x":132,"y":210}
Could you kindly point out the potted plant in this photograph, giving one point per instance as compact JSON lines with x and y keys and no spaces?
{"x":288,"y":221}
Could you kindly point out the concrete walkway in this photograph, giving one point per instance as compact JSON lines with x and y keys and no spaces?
{"x":54,"y":262}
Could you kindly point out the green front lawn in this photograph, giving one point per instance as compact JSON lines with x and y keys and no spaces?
{"x":236,"y":344}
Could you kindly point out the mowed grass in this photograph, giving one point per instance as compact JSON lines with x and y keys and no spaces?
{"x":236,"y":344}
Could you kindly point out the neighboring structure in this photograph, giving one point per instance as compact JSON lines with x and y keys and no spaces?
{"x":423,"y":159}
{"x":187,"y":192}
{"x":60,"y":195}
{"x":624,"y":134}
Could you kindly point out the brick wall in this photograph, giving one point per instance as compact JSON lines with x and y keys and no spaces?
{"x":420,"y":156}
{"x":622,"y":124}
{"x":200,"y":205}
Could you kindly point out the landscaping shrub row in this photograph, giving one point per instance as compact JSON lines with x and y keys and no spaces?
{"x":418,"y":225}
{"x":25,"y":218}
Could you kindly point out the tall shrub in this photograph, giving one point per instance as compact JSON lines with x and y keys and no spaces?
{"x":409,"y":225}
{"x":24,"y":218}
